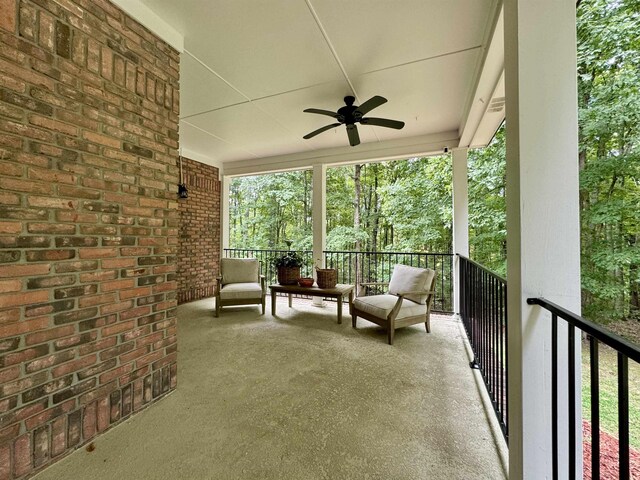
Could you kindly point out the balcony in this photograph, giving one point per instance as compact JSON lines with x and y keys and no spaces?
{"x":299,"y":396}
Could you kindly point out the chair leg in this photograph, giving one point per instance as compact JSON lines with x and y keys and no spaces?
{"x":263,"y":304}
{"x":427,"y":323}
{"x":217,"y":311}
{"x":390,"y":333}
{"x":353,"y":320}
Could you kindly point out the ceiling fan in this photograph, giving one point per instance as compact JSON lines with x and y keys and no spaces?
{"x":350,"y":115}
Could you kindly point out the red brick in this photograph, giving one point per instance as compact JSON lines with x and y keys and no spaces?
{"x":96,"y":300}
{"x":10,"y":227}
{"x":5,"y":453}
{"x":103,"y":414}
{"x":22,"y":455}
{"x":24,"y":270}
{"x":86,"y":180}
{"x":7,"y":286}
{"x":115,"y":307}
{"x":53,"y":125}
{"x":9,"y":374}
{"x":48,"y":202}
{"x":118,"y":328}
{"x":118,"y":285}
{"x":8,"y":9}
{"x":74,"y":366}
{"x":98,"y":252}
{"x":25,"y":186}
{"x":23,"y":327}
{"x":50,"y":334}
{"x":115,"y":373}
{"x":89,"y":421}
{"x":58,"y":436}
{"x":25,"y":298}
{"x":50,"y":176}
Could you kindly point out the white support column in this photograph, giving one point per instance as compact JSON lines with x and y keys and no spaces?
{"x":543,"y":231}
{"x":224,"y":217}
{"x":460,"y":217}
{"x":319,"y":218}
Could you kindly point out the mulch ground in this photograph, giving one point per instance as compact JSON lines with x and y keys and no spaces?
{"x":608,"y":456}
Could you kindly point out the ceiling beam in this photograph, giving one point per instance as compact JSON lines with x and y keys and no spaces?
{"x":422,"y":145}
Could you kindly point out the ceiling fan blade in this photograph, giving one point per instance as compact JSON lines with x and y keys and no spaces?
{"x":320,"y":130}
{"x":382,"y":122}
{"x":370,"y":104}
{"x":321,"y":112}
{"x":352,"y":132}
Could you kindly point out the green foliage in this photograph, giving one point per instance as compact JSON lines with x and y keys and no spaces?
{"x":288,"y":259}
{"x":487,"y":206}
{"x":609,"y":134}
{"x":266,"y":210}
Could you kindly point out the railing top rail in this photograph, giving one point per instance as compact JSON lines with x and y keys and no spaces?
{"x":484,"y":269}
{"x":264,"y":250}
{"x":608,"y":338}
{"x":386,"y":253}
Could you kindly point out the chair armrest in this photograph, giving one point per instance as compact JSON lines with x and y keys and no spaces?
{"x":263,"y":283}
{"x":368,"y":284}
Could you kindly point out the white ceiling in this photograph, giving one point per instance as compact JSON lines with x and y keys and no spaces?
{"x":250,"y":67}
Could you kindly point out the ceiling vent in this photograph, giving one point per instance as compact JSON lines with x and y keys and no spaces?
{"x":496,"y":105}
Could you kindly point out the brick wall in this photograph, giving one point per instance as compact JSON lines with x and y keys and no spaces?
{"x":88,"y":225}
{"x":199,"y":239}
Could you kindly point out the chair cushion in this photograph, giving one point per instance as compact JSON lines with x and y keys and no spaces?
{"x":381,"y":305}
{"x":236,"y":291}
{"x":407,"y":279}
{"x":239,"y":270}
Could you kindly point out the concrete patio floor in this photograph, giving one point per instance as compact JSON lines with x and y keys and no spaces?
{"x":298,"y":396}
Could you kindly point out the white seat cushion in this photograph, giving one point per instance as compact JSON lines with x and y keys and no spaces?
{"x":380,"y":306}
{"x":237,"y":291}
{"x":239,"y":270}
{"x":408,"y":279}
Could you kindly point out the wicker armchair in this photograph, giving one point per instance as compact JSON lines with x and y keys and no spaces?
{"x":240,"y":283}
{"x":407,"y":302}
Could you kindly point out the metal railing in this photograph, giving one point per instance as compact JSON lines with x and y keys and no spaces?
{"x":363,"y":267}
{"x":625,"y":351}
{"x":355,"y":268}
{"x":483,"y":308}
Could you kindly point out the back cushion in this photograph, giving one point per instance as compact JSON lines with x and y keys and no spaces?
{"x":239,"y":270}
{"x":406,"y":279}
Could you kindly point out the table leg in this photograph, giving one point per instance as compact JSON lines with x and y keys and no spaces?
{"x":289,"y":300}
{"x":340,"y":309}
{"x":273,"y":303}
{"x":350,"y":302}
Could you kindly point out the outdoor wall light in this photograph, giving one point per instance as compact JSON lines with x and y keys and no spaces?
{"x":182,"y":188}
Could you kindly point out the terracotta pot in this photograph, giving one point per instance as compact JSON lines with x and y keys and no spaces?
{"x":288,"y":275}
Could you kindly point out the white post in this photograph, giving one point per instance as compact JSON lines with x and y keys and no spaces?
{"x":543,"y":231}
{"x":224,"y":217}
{"x":460,"y":218}
{"x":319,"y":218}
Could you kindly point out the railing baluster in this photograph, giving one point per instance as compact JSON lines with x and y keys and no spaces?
{"x":554,"y":395}
{"x":594,"y":362}
{"x":623,"y":415}
{"x":572,"y":401}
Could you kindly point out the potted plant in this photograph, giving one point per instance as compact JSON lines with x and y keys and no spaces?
{"x":288,"y":266}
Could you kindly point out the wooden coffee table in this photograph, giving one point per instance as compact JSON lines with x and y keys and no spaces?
{"x":337,"y":292}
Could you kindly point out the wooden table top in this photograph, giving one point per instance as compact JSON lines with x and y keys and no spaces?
{"x":339,"y":289}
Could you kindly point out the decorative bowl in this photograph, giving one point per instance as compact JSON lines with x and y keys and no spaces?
{"x":305,"y":282}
